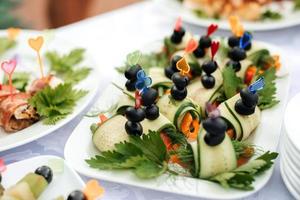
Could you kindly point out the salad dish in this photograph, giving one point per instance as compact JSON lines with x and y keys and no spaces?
{"x":191,"y":110}
{"x":39,"y":89}
{"x":44,"y":181}
{"x":256,"y":15}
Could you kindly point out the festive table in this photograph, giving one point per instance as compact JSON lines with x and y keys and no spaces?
{"x":108,"y":38}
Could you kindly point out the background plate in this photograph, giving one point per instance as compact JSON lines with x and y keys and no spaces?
{"x":63,"y":183}
{"x":28,"y":62}
{"x":266,"y":136}
{"x":175,"y":9}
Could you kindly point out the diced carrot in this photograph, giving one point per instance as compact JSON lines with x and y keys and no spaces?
{"x":230,"y":133}
{"x":248,"y":152}
{"x":277,"y":63}
{"x":102,"y":118}
{"x":93,"y":190}
{"x":168,"y":91}
{"x":190,"y":127}
{"x":242,"y":161}
{"x":167,"y":141}
{"x":250,"y":73}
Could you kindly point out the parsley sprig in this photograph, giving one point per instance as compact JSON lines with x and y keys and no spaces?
{"x":66,"y":66}
{"x":243,"y":176}
{"x":231,"y":82}
{"x":146,"y":156}
{"x":55,"y":104}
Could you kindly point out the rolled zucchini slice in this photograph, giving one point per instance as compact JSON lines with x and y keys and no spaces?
{"x":159,"y":80}
{"x":201,"y":95}
{"x":112,"y":131}
{"x":176,"y":111}
{"x":244,"y":66}
{"x":243,"y":125}
{"x":217,"y":159}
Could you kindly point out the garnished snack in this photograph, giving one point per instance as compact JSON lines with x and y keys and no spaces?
{"x":50,"y":98}
{"x":31,"y":186}
{"x":200,"y":121}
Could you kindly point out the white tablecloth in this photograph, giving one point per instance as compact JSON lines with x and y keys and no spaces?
{"x":109,"y":37}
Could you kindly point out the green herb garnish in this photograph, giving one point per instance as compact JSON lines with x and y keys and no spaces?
{"x":267,"y":96}
{"x":66,"y":66}
{"x":6,"y":44}
{"x":55,"y":104}
{"x":243,"y":176}
{"x":261,"y":58}
{"x":19,"y":80}
{"x":231,"y":83}
{"x":269,"y":14}
{"x":146,"y":156}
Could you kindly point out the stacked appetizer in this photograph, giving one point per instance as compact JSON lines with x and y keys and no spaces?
{"x":30,"y":187}
{"x":33,"y":184}
{"x":193,"y":115}
{"x":25,"y":99}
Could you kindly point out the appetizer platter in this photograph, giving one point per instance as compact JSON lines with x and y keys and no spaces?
{"x":45,"y":83}
{"x":256,"y":15}
{"x":193,"y":115}
{"x":44,"y":178}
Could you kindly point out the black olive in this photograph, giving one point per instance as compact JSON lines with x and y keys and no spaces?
{"x":177,"y":36}
{"x":76,"y":195}
{"x":135,"y":114}
{"x":213,"y":140}
{"x":174,"y":61}
{"x":152,"y":112}
{"x":199,"y":52}
{"x":208,"y":81}
{"x":234,"y":64}
{"x":248,"y":98}
{"x":133,"y":128}
{"x":233,"y":41}
{"x":209,"y":66}
{"x":45,"y":172}
{"x":242,"y":109}
{"x":237,"y":54}
{"x":130,"y":73}
{"x":178,"y":94}
{"x":248,"y":47}
{"x":205,"y":42}
{"x":169,"y":72}
{"x":130,"y":85}
{"x":149,"y":97}
{"x":180,"y":81}
{"x":215,"y":126}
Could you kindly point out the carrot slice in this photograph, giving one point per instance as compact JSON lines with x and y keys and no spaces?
{"x":190,"y":127}
{"x":102,"y":118}
{"x":242,"y":161}
{"x":93,"y":190}
{"x":230,"y":133}
{"x":167,"y":141}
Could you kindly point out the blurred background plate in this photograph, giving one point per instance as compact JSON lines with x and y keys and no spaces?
{"x":175,"y":9}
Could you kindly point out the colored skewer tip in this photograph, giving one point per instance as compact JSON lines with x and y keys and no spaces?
{"x":183,"y":66}
{"x":178,"y":24}
{"x":257,"y":85}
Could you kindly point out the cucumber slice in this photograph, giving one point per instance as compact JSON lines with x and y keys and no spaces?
{"x":112,"y":131}
{"x":158,"y":78}
{"x":200,"y":95}
{"x":248,"y":123}
{"x":194,"y":145}
{"x":20,"y":191}
{"x":175,"y":110}
{"x":231,"y":120}
{"x":37,"y":183}
{"x":215,"y":159}
{"x":124,"y":102}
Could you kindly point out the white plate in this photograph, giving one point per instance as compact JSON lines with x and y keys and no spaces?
{"x":266,"y":136}
{"x":290,"y":168}
{"x":288,"y":183}
{"x":292,"y":153}
{"x":28,"y":63}
{"x":175,"y":9}
{"x":64,"y":181}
